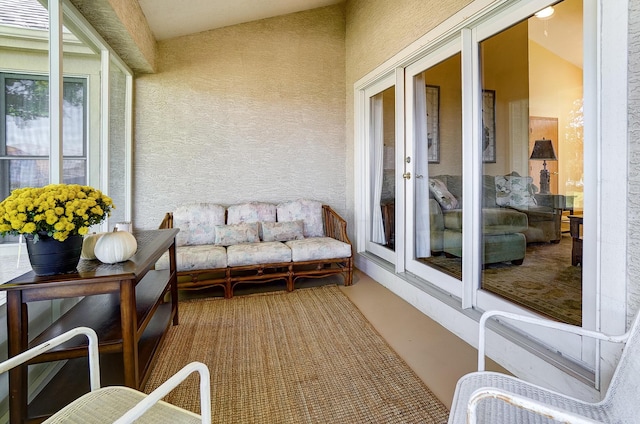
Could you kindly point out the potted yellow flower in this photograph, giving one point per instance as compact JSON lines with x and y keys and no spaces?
{"x":51,"y":217}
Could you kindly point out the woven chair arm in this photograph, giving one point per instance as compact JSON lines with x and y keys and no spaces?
{"x":524,"y":403}
{"x":541,"y":322}
{"x":334,"y":225}
{"x":167,"y":221}
{"x":166,"y":387}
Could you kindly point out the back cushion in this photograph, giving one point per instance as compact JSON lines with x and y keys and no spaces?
{"x":308,"y":211}
{"x":251,"y":212}
{"x":197,"y":223}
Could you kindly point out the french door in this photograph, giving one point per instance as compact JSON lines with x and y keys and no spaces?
{"x":462,"y":115}
{"x":434,"y":157}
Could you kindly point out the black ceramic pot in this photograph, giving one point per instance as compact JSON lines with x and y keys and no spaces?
{"x":49,"y":256}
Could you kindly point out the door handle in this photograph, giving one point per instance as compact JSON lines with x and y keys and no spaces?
{"x":406,"y":175}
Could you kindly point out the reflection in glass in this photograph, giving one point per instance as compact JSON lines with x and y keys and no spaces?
{"x":383,"y":185}
{"x":438,"y":182}
{"x":534,"y":72}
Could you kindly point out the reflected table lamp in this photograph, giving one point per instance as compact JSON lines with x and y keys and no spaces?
{"x":543,"y":150}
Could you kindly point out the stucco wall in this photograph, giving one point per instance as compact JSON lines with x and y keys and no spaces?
{"x":248,"y":112}
{"x":124,"y":27}
{"x":633,"y":258}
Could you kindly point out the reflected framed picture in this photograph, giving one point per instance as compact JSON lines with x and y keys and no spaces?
{"x":488,"y":126}
{"x":433,"y":123}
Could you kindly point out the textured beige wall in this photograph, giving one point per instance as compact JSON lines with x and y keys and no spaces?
{"x":633,"y":256}
{"x":123,"y":25}
{"x":248,"y":112}
{"x":376,"y":31}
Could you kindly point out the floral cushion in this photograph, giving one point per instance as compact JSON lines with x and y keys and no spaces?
{"x":227,"y":235}
{"x":266,"y":252}
{"x":196,"y":222}
{"x":189,"y":258}
{"x":251,"y":212}
{"x":516,"y":192}
{"x":318,"y":248}
{"x":309,"y":211}
{"x":439,"y":191}
{"x":282,"y":231}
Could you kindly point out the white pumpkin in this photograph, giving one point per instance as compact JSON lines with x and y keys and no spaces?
{"x":89,"y":244}
{"x":117,"y":246}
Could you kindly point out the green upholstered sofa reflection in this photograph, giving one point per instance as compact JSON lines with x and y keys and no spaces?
{"x":506,"y":230}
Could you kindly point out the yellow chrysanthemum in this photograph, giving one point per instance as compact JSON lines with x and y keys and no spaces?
{"x":58,"y":209}
{"x":29,"y":228}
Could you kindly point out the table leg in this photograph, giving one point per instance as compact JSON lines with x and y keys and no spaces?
{"x":17,"y":319}
{"x":129,"y":323}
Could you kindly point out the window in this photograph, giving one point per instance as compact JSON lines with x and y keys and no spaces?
{"x":24,"y":148}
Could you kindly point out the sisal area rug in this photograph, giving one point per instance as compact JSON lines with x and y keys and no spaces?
{"x":308,"y":356}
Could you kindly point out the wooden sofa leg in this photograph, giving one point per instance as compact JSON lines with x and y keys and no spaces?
{"x":349,"y":275}
{"x":290,"y":280}
{"x":228,"y":286}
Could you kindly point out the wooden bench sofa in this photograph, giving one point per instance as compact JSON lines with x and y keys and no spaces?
{"x":257,"y":242}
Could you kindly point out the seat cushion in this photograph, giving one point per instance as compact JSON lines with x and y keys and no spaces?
{"x":196,"y":222}
{"x":190,"y":258}
{"x":315,"y":248}
{"x":107,"y":404}
{"x":503,"y":221}
{"x":266,"y":252}
{"x":494,"y":220}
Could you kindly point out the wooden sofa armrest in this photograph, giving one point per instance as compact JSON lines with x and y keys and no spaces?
{"x":167,"y":221}
{"x":334,"y":225}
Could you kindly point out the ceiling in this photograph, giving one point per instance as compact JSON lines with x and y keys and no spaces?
{"x":171,"y":18}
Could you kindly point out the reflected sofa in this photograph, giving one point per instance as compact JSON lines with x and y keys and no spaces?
{"x":512,"y":216}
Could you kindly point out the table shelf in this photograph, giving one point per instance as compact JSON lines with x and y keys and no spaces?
{"x":129,"y":305}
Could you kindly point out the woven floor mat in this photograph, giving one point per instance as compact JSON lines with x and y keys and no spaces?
{"x":308,"y":356}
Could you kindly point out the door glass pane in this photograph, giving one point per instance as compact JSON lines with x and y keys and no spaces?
{"x":26,"y":101}
{"x":382,"y":170}
{"x":438,"y":179}
{"x":532,"y":162}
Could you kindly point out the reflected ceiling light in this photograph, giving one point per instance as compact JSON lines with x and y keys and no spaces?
{"x":545,"y":13}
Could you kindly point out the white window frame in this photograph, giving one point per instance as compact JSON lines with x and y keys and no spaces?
{"x":72,"y":17}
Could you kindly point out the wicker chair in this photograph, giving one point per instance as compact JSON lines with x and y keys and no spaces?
{"x":118,"y":404}
{"x":489,"y":397}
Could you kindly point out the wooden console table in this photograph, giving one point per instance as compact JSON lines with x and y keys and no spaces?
{"x":129,"y":304}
